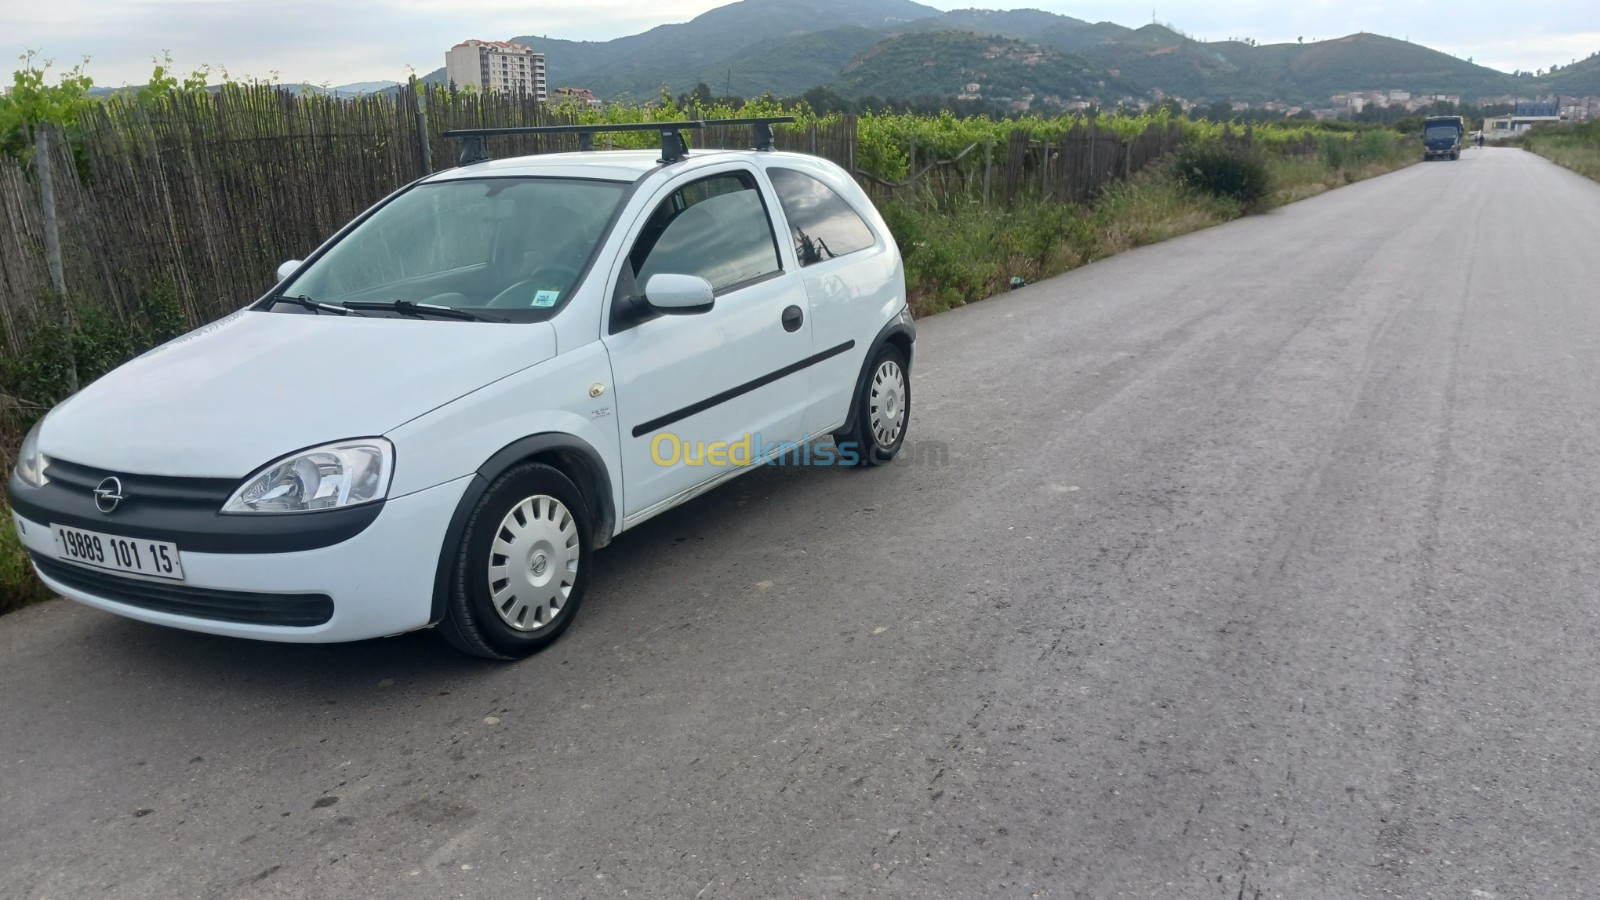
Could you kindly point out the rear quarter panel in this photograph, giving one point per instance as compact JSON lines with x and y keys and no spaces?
{"x":851,"y":298}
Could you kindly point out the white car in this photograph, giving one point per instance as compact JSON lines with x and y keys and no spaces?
{"x":439,"y":416}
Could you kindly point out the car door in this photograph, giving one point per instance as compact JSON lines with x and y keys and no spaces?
{"x":852,"y":278}
{"x":701,"y":394}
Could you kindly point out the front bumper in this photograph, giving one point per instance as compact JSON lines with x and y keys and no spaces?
{"x":380,"y":581}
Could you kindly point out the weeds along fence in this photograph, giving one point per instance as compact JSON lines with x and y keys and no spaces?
{"x":180,"y":208}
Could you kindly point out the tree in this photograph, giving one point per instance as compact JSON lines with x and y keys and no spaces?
{"x":163,"y":80}
{"x":825,"y":101}
{"x":32,"y":101}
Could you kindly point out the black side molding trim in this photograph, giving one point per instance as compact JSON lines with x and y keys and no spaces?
{"x":703,"y":405}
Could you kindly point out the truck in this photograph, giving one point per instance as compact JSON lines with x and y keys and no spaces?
{"x":1441,"y":137}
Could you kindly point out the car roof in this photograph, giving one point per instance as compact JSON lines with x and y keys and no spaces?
{"x":608,"y":165}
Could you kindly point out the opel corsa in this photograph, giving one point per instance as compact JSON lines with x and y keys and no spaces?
{"x":438,"y":417}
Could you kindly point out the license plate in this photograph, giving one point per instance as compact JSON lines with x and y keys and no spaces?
{"x":158,"y":559}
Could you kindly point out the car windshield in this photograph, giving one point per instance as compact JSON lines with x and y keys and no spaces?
{"x":512,"y":247}
{"x":1440,"y":133}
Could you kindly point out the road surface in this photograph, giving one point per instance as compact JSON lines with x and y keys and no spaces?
{"x":1263,"y":564}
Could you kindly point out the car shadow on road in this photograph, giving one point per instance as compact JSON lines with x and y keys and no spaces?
{"x":623,"y":603}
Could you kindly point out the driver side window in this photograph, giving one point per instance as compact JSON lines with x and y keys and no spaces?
{"x":716,"y":228}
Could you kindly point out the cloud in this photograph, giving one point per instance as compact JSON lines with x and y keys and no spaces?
{"x":350,"y":41}
{"x":304,"y":41}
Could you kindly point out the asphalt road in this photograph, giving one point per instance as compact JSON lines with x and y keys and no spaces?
{"x":1263,"y":564}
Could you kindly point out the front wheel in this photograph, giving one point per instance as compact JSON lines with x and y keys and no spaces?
{"x":882,"y":412}
{"x":521,"y":567}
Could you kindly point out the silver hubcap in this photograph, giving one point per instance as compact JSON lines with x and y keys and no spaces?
{"x":533,"y":562}
{"x":888,"y":403}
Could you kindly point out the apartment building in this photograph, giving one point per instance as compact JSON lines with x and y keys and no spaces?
{"x":498,"y":66}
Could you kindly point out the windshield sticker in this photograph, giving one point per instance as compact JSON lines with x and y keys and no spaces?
{"x":545,"y":299}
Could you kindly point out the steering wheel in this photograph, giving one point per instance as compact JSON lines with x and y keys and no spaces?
{"x":521,"y":294}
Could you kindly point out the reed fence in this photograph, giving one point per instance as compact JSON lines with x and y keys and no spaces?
{"x":197,"y":197}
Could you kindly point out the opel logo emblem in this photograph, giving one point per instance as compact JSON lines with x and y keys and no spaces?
{"x":108,"y":495}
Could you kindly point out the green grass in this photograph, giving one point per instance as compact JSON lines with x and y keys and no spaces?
{"x":18,"y":586}
{"x":1576,"y":147}
{"x":957,"y":252}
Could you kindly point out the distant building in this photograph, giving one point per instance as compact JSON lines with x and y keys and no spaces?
{"x":499,"y":66}
{"x":1527,"y":115}
{"x":582,"y":96}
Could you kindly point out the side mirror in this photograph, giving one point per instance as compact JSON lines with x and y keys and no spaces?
{"x":678,"y":295}
{"x":288,"y":268}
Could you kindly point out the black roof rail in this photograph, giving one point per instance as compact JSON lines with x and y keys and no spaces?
{"x":673,"y":146}
{"x":763,"y":127}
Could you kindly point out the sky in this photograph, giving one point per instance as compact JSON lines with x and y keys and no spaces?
{"x":335,"y":42}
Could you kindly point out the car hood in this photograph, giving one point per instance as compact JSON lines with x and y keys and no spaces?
{"x":228,"y":398}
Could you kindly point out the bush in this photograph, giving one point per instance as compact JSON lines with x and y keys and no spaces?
{"x":32,"y":381}
{"x":1235,"y":175}
{"x":18,"y":587}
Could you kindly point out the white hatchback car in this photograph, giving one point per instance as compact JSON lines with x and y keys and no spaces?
{"x":440,"y":415}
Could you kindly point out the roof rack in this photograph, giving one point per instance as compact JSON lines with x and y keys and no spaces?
{"x":763,"y":127}
{"x":673,"y":146}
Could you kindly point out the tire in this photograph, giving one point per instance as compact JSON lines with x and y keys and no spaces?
{"x":532,"y":527}
{"x":882,"y":411}
{"x":1455,"y":154}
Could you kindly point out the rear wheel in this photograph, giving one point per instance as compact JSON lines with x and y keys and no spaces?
{"x":522,"y":566}
{"x":882,"y":411}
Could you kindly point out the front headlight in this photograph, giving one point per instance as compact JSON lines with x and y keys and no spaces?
{"x":30,"y":462}
{"x":328,"y":477}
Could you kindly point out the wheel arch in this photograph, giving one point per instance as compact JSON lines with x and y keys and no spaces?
{"x":902,"y":334}
{"x":571,"y":456}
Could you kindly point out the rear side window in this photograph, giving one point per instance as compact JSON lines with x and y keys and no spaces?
{"x":821,"y":224}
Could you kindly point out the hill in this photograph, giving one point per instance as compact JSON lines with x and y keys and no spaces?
{"x":787,"y":66}
{"x":1373,"y":62}
{"x":1075,"y":37}
{"x":944,"y":64}
{"x":1159,"y":57}
{"x":1581,"y":79}
{"x":1020,"y":24}
{"x":788,"y":46}
{"x":679,"y":55}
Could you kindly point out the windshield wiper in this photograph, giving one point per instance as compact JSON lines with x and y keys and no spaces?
{"x":316,"y":306}
{"x":419,"y":310}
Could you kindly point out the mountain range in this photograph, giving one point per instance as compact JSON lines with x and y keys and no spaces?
{"x":904,"y":49}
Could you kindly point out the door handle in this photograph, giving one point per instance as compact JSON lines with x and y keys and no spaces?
{"x":793,"y":317}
